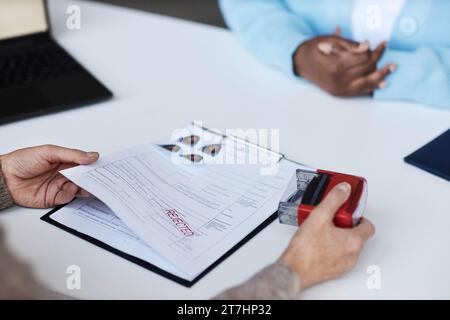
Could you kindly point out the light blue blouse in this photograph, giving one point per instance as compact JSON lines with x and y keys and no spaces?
{"x":420,"y":42}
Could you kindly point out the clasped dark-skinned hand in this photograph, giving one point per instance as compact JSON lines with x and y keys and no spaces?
{"x":342,"y":67}
{"x":33,"y":179}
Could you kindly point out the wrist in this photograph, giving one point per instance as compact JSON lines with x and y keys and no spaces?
{"x":286,"y":261}
{"x":301,"y":266}
{"x":5,"y":197}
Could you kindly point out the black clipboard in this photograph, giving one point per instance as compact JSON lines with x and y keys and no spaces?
{"x":47,"y":218}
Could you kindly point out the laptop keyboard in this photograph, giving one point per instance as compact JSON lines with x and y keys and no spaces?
{"x":35,"y":64}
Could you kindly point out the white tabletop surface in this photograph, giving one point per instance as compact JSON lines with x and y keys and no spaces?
{"x":166,"y":72}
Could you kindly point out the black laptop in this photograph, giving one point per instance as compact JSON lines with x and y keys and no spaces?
{"x":37,"y":76}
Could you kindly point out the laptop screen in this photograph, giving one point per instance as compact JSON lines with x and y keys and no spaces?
{"x":22,"y":17}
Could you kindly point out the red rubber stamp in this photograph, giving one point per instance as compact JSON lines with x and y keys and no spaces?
{"x":312,"y":187}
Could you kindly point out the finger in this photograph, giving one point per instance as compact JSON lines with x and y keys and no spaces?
{"x":347,"y":45}
{"x":326,"y":48}
{"x":362,"y":47}
{"x":362,"y":69}
{"x":82,"y":193}
{"x":359,"y":86}
{"x":352,"y":46}
{"x":376,"y":80}
{"x":55,"y":183}
{"x":333,"y":201}
{"x":371,"y":82}
{"x":338,"y":31}
{"x":378,"y":52}
{"x":66,"y":194}
{"x":58,"y":183}
{"x":350,"y":60}
{"x":365,"y":229}
{"x":60,"y":154}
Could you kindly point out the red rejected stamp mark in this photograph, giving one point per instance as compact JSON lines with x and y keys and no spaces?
{"x":181,"y":225}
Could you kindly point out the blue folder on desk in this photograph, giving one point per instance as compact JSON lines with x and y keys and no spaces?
{"x":434,"y":157}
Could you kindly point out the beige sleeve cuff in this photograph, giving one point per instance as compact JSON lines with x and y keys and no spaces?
{"x":5,"y":199}
{"x":276,"y":281}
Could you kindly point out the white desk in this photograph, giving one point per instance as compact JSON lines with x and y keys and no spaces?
{"x":166,"y":72}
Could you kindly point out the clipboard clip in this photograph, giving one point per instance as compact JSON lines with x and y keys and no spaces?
{"x":240,"y":140}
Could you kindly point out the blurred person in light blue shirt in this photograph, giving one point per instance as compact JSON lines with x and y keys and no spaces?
{"x":391,"y":49}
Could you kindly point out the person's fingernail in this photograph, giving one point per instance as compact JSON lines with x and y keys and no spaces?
{"x":382,"y":84}
{"x":325,"y":47}
{"x":392,"y":67}
{"x":344,"y":186}
{"x":92,"y":154}
{"x":364,"y":45}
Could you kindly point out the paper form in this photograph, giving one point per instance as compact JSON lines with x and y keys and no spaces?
{"x":93,"y":218}
{"x":189,"y":215}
